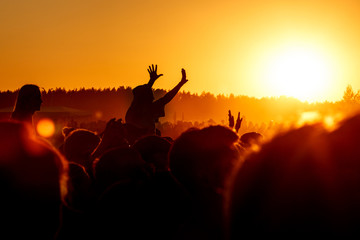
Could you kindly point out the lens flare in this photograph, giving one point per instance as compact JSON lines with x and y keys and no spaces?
{"x":45,"y":127}
{"x":98,"y":114}
{"x":309,"y":118}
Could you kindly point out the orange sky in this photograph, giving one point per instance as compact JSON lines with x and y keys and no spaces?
{"x":225,"y":46}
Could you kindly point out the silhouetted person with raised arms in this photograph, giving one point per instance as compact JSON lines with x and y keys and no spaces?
{"x":144,"y":112}
{"x":27,"y":103}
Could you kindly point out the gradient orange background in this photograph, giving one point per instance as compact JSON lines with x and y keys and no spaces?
{"x":221,"y":44}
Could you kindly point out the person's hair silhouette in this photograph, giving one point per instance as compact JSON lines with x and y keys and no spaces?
{"x":27,"y":103}
{"x":144,"y":112}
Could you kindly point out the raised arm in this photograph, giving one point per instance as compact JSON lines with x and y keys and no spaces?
{"x":171,"y":94}
{"x":153,"y":74}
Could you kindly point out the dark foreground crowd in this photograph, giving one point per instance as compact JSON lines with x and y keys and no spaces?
{"x":129,"y":182}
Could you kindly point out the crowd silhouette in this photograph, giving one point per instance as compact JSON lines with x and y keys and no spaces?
{"x":130,"y":182}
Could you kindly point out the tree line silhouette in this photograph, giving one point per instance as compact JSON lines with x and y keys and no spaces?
{"x":267,"y":115}
{"x":191,"y":106}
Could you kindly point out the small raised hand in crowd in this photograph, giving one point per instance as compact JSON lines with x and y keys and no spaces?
{"x":238,"y":123}
{"x":231,"y":119}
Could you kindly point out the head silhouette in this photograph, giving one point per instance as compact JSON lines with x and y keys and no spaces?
{"x":154,"y":150}
{"x":143,"y":94}
{"x":202,"y":158}
{"x":79,"y":145}
{"x":27,"y":103}
{"x":119,"y":164}
{"x":250,"y":138}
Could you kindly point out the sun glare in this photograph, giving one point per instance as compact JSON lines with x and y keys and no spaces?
{"x":45,"y":127}
{"x":299,"y":72}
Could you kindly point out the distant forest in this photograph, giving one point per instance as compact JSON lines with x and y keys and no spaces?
{"x":107,"y":103}
{"x":104,"y":104}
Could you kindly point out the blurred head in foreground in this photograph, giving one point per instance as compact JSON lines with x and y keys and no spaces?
{"x":33,"y":179}
{"x":303,"y":182}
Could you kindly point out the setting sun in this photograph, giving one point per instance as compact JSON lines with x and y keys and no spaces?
{"x":299,"y":72}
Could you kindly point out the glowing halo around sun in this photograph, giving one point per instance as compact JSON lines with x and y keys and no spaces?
{"x":299,"y":72}
{"x":45,"y":127}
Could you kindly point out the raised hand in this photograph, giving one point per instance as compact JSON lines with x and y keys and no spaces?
{"x":238,"y":122}
{"x":153,"y":73}
{"x":183,"y":78}
{"x":231,"y":120}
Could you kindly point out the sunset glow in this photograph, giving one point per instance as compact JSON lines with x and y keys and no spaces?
{"x":262,"y":48}
{"x":299,"y":72}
